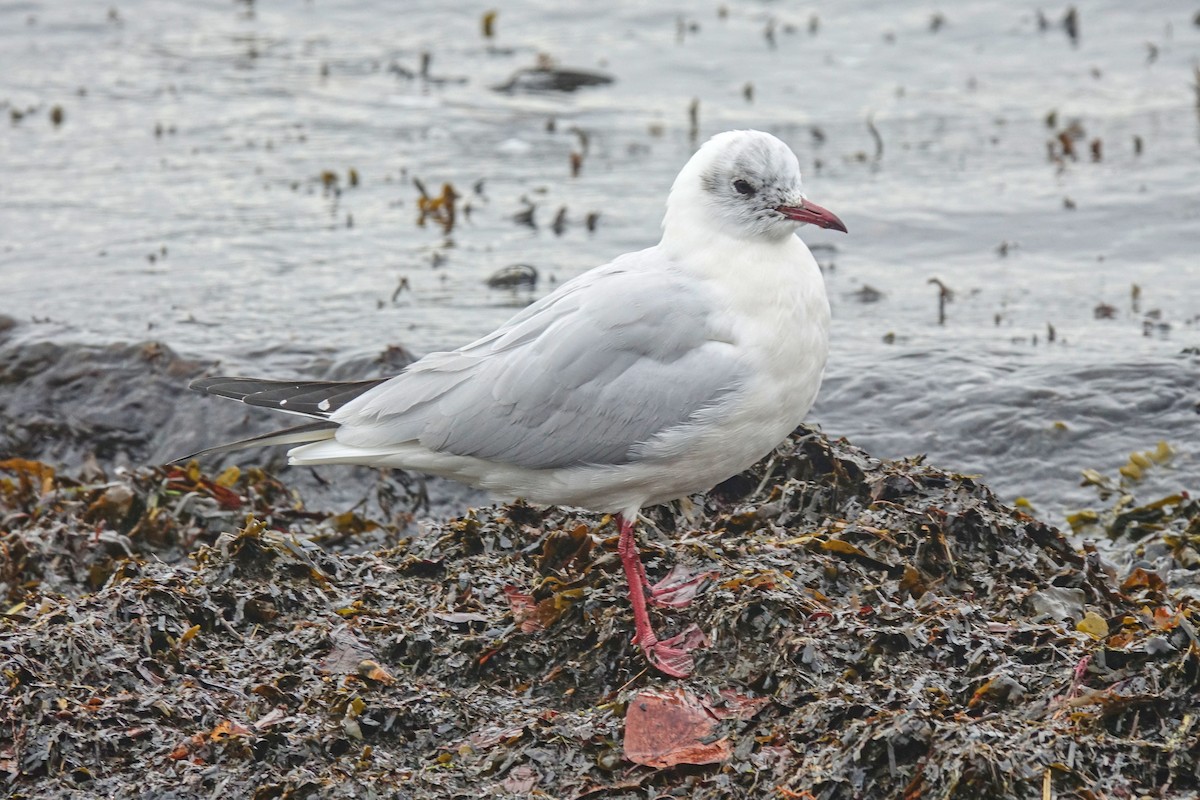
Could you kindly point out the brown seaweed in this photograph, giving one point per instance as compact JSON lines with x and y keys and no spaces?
{"x":874,"y":629}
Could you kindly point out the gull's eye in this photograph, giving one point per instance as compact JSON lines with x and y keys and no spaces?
{"x":743,"y":187}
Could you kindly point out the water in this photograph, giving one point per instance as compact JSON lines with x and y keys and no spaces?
{"x":182,"y":199}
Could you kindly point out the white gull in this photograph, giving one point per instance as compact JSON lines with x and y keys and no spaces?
{"x":659,"y":374}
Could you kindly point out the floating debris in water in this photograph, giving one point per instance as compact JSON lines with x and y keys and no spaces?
{"x":945,"y":295}
{"x":683,"y":27}
{"x":441,"y":209}
{"x":526,"y":215}
{"x":867,"y":294}
{"x":1070,"y":24}
{"x":56,"y":116}
{"x":1154,"y":325}
{"x":552,"y":79}
{"x":875,"y":136}
{"x":487,"y":24}
{"x":1067,"y":145}
{"x":514,"y":276}
{"x":423,"y":74}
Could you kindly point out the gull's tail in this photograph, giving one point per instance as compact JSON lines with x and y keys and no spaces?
{"x":317,"y":399}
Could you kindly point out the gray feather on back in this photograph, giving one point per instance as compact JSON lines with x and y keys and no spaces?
{"x":577,"y":378}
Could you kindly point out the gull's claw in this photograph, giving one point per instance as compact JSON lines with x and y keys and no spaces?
{"x":678,"y":588}
{"x":673,"y":657}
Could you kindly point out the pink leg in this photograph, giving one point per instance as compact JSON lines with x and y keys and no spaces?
{"x":664,"y":656}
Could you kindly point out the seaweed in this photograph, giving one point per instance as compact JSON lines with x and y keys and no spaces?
{"x":873,"y":629}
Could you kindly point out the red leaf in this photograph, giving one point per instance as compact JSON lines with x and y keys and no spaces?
{"x":663,"y":729}
{"x":529,"y":615}
{"x":521,"y":604}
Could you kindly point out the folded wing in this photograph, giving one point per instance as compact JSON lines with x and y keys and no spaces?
{"x":592,"y":374}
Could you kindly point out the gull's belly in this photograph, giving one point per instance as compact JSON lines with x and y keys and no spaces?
{"x":747,"y":430}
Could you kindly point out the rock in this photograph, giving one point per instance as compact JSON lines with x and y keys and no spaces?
{"x":128,"y":405}
{"x":552,"y":79}
{"x":514,"y":276}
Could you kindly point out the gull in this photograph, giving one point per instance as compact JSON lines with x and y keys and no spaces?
{"x":644,"y":380}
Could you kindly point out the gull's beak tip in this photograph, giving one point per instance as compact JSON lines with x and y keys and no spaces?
{"x":813,"y":214}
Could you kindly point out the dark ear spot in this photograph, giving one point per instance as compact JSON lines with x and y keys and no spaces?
{"x":743,"y":187}
{"x":711,"y":182}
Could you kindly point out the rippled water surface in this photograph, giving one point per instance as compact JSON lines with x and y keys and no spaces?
{"x":182,"y":196}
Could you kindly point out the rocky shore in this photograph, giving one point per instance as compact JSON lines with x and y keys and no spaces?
{"x":874,"y":629}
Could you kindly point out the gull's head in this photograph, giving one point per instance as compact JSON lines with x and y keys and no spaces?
{"x":747,"y":185}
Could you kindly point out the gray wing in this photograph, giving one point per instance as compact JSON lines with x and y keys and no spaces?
{"x":588,"y":375}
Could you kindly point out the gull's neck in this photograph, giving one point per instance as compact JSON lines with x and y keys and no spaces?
{"x":708,"y":246}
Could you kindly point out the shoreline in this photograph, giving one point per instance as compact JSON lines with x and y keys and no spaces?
{"x":878,"y":627}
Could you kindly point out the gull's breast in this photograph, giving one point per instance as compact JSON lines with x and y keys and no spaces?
{"x":775,"y":313}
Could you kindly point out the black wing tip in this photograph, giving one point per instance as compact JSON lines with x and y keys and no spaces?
{"x":300,"y":434}
{"x":306,"y":398}
{"x":185,"y":459}
{"x":197,"y":455}
{"x":205,"y":384}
